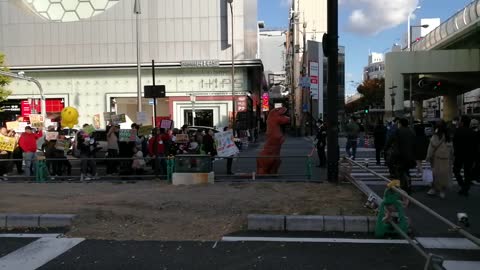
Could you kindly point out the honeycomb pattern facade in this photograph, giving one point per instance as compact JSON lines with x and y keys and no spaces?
{"x":69,"y":10}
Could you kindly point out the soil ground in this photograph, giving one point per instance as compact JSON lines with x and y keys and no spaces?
{"x":158,"y":211}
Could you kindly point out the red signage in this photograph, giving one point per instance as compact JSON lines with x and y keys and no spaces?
{"x":242,"y":104}
{"x":265,"y":102}
{"x":314,"y":79}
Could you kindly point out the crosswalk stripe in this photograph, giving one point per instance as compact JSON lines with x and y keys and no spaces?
{"x":37,"y":253}
{"x":461,"y":265}
{"x":447,"y":243}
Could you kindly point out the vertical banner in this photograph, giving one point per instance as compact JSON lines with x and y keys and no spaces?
{"x":314,"y":79}
{"x":265,"y":102}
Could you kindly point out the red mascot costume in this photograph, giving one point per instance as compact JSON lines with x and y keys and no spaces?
{"x":273,"y":144}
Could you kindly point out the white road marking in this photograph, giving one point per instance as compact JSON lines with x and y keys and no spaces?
{"x":37,"y":253}
{"x":461,"y":265}
{"x":311,"y":240}
{"x":447,"y":243}
{"x":30,"y":235}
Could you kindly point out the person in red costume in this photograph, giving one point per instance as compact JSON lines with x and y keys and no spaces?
{"x":28,"y":143}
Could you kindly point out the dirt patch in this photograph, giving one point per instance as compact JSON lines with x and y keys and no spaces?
{"x":157,"y":211}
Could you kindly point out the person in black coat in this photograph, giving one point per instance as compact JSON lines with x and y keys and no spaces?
{"x":379,"y":137}
{"x":421,"y":147}
{"x":464,"y":152}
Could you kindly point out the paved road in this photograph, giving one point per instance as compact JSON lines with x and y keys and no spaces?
{"x":322,"y":253}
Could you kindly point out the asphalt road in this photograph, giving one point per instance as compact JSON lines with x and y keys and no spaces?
{"x":98,"y":254}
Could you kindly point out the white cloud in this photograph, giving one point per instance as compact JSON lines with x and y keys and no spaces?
{"x":374,"y":16}
{"x":286,"y":3}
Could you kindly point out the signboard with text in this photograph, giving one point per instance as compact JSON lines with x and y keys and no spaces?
{"x":145,"y":130}
{"x":242,"y":104}
{"x":265,"y":102}
{"x":127,"y":135}
{"x":226,"y":147}
{"x":7,"y":143}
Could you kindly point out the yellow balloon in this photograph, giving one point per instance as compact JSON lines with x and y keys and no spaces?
{"x":69,"y":117}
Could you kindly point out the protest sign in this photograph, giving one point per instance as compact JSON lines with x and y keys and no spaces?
{"x":166,"y":124}
{"x":96,"y":121}
{"x":13,"y":125}
{"x":118,"y":119}
{"x":145,"y":130}
{"x":141,"y":118}
{"x":51,"y":136}
{"x":107,"y":116}
{"x":127,"y":135}
{"x":225,"y":145}
{"x":89,"y":129}
{"x":21,"y":127}
{"x":7,"y":143}
{"x":181,"y":138}
{"x":36,"y":120}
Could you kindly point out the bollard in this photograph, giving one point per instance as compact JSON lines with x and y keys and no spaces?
{"x":41,"y":170}
{"x":309,"y":168}
{"x":170,"y":168}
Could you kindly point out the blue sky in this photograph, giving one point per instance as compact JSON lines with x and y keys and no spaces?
{"x":364,"y":26}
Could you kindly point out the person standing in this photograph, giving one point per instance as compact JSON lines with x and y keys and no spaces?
{"x":229,"y":159}
{"x":87,"y":146}
{"x":474,"y":125}
{"x":402,"y":144}
{"x":421,"y":147}
{"x":464,"y":154}
{"x":209,"y":143}
{"x":113,"y":149}
{"x":379,"y":136}
{"x":156,"y":149}
{"x":28,"y":143}
{"x":321,"y":139}
{"x":352,"y":129}
{"x":440,"y":156}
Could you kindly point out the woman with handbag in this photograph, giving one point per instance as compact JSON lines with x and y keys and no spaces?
{"x":440,"y":156}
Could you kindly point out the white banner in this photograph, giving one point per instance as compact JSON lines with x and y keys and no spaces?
{"x":226,"y":147}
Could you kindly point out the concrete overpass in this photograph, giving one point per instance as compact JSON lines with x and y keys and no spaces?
{"x":448,"y":56}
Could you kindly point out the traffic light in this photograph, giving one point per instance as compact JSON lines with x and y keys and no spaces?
{"x":437,"y":85}
{"x":366,"y":110}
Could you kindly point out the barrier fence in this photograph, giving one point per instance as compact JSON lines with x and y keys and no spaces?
{"x":243,"y":168}
{"x":433,"y":261}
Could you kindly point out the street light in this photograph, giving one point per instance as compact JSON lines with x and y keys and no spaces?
{"x":21,"y":76}
{"x":193,"y":98}
{"x":233,"y":67}
{"x":410,"y":76}
{"x":137,"y":10}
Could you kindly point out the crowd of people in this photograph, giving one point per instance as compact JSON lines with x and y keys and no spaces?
{"x":130,"y":157}
{"x":451,"y":149}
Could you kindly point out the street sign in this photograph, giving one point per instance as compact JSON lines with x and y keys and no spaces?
{"x":150,"y":102}
{"x":154,"y":91}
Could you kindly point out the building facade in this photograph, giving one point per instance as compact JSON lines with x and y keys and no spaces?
{"x":376,"y":66}
{"x":84,"y":54}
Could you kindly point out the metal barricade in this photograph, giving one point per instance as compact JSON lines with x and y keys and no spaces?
{"x":433,"y":261}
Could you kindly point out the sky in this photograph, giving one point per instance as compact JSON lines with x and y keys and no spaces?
{"x":366,"y":25}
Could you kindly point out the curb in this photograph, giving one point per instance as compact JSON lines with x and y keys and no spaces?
{"x":13,"y":220}
{"x":312,"y":223}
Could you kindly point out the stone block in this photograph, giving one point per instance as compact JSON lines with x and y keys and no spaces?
{"x":356,"y":224}
{"x":304,"y":223}
{"x":22,"y":220}
{"x":266,"y":222}
{"x":334,"y":223}
{"x":53,"y":220}
{"x":372,"y":223}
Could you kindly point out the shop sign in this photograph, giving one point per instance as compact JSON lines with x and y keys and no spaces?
{"x":241,"y":104}
{"x":265,"y":102}
{"x":200,"y":63}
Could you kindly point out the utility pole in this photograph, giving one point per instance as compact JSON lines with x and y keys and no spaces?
{"x":332,"y":91}
{"x":296,"y":63}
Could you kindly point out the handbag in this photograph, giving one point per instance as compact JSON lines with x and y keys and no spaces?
{"x":427,"y":175}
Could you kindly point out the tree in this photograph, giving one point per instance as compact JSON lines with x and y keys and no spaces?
{"x":373,"y":92}
{"x":4,"y":81}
